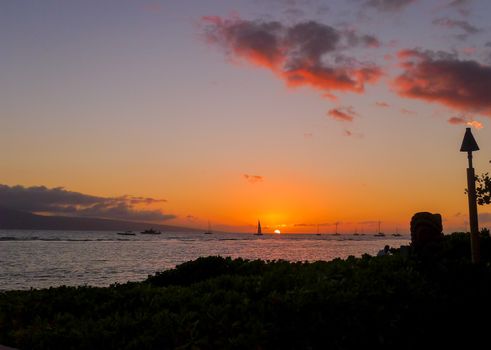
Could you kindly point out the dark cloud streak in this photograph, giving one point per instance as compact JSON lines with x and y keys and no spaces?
{"x":342,"y":114}
{"x":387,"y":5}
{"x":451,"y":23}
{"x":253,"y":179}
{"x":58,"y":201}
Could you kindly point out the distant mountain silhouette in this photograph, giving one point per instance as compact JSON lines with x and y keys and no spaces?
{"x":11,"y":219}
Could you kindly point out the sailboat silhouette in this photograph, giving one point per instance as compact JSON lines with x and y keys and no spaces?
{"x":259,"y":231}
{"x":380,"y":233}
{"x":209,"y":232}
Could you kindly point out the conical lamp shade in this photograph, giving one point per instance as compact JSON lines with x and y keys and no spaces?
{"x":469,"y":144}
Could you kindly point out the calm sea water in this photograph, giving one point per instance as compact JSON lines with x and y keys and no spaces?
{"x":42,"y":259}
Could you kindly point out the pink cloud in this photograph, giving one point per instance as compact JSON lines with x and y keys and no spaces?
{"x":407,"y":111}
{"x":463,"y":85}
{"x":475,"y":124}
{"x":457,"y":121}
{"x":296,"y":54}
{"x":342,"y":114}
{"x":462,"y":120}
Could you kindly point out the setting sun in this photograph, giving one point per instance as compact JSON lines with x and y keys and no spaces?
{"x":277,"y":231}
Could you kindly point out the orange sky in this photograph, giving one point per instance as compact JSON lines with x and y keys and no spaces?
{"x":295,"y":113}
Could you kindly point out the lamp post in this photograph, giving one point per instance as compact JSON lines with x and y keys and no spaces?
{"x":469,"y":145}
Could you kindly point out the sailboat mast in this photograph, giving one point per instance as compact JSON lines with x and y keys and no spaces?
{"x":259,"y":227}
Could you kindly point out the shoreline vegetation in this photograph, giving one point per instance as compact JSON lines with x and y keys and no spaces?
{"x":408,"y":299}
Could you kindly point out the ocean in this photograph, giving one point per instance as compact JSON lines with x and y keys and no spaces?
{"x":43,"y":259}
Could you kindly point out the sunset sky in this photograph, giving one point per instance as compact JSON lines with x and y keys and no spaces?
{"x":295,"y":112}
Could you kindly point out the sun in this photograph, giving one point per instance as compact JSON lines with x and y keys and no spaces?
{"x":277,"y":232}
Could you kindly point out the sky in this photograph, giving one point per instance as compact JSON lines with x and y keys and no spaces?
{"x":305,"y":114}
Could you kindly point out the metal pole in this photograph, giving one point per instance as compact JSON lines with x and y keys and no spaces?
{"x":473,"y":221}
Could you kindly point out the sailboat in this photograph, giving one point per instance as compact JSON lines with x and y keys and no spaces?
{"x":380,"y":233}
{"x":356,"y":231}
{"x":336,"y":233}
{"x":151,"y":232}
{"x":259,"y":231}
{"x":397,"y":234}
{"x":208,"y":232}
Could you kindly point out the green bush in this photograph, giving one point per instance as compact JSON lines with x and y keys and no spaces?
{"x":401,"y":300}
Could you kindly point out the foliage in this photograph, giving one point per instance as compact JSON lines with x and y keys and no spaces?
{"x":484,"y":232}
{"x":483,"y":189}
{"x":399,"y":300}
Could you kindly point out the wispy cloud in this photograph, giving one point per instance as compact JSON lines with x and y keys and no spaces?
{"x":459,"y":2}
{"x":460,"y":24}
{"x":442,"y":78}
{"x":469,"y":50}
{"x":363,"y":40}
{"x":342,"y":114}
{"x":350,"y":133}
{"x":382,"y":104}
{"x":58,"y":201}
{"x":304,"y":225}
{"x":369,"y":222}
{"x":457,"y":120}
{"x":253,"y":179}
{"x":475,"y":124}
{"x":305,"y":54}
{"x":407,"y":111}
{"x":152,"y":7}
{"x":462,"y":6}
{"x":387,"y":5}
{"x":317,"y":224}
{"x":463,"y":120}
{"x":191,"y":217}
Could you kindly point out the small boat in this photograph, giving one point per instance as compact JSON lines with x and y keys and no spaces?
{"x":396,"y":234}
{"x":209,"y":232}
{"x":336,"y":233}
{"x":379,"y":234}
{"x":151,"y":232}
{"x":259,"y":231}
{"x":126,"y":233}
